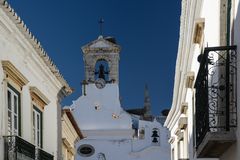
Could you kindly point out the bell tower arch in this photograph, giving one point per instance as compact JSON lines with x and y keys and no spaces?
{"x":101,"y":60}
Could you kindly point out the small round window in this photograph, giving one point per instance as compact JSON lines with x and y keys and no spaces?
{"x":86,"y":150}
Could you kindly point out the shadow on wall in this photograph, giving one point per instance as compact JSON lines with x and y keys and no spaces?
{"x":234,"y":151}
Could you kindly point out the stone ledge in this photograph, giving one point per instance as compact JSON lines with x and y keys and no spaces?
{"x":215,"y":144}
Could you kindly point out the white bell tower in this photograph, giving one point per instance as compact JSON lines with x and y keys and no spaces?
{"x":101,"y":60}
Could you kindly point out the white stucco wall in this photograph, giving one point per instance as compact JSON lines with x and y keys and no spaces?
{"x":129,"y":148}
{"x":211,"y":13}
{"x":192,"y":11}
{"x":15,"y":48}
{"x":107,"y":101}
{"x":114,"y":136}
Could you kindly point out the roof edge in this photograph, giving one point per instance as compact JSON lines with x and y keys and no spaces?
{"x":36,"y":44}
{"x":73,"y":121}
{"x":100,"y":38}
{"x":172,"y":112}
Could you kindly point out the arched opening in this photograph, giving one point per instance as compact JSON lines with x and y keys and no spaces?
{"x":102,"y":70}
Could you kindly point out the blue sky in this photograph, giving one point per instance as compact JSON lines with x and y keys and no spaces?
{"x":147,"y":31}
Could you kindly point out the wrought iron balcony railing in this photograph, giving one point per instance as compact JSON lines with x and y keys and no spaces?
{"x":216,"y":85}
{"x":16,"y":148}
{"x":42,"y":155}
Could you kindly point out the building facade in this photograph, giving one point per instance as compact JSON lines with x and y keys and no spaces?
{"x":111,"y":132}
{"x":31,"y":89}
{"x":203,"y":119}
{"x":70,"y":135}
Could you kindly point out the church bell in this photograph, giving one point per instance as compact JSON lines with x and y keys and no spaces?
{"x":155,"y":136}
{"x":155,"y":140}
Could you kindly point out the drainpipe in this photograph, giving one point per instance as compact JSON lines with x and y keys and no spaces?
{"x":229,"y":6}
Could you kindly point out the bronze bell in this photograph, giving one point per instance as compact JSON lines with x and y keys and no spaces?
{"x":155,"y":134}
{"x":155,"y":140}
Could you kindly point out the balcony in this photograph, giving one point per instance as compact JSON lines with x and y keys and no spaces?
{"x":216,"y":101}
{"x":17,"y":148}
{"x":44,"y":155}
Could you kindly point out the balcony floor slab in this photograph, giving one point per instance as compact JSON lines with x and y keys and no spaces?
{"x":215,"y":144}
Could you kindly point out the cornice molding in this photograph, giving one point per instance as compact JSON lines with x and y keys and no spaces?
{"x":68,"y":145}
{"x":170,"y":118}
{"x":185,"y":26}
{"x":88,"y":49}
{"x":13,"y":73}
{"x":38,"y":97}
{"x":100,"y":50}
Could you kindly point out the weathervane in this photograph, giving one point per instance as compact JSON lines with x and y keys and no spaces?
{"x":101,"y":21}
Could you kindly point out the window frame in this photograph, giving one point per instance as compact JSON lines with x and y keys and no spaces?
{"x":14,"y":92}
{"x":141,"y":133}
{"x":36,"y":111}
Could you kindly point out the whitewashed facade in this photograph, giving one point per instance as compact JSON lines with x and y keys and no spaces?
{"x":110,"y":132}
{"x":31,"y":89}
{"x":203,"y":119}
{"x":70,"y":135}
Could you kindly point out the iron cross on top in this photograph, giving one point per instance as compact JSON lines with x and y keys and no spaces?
{"x":100,"y":22}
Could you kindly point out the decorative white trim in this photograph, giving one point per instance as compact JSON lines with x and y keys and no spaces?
{"x":38,"y":96}
{"x":184,"y":108}
{"x":190,"y":79}
{"x":88,"y":49}
{"x":171,"y":140}
{"x":14,"y":74}
{"x":184,"y":56}
{"x":182,"y":123}
{"x":169,"y":120}
{"x":198,"y":30}
{"x":176,"y":132}
{"x":179,"y":134}
{"x":68,"y":145}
